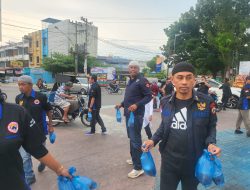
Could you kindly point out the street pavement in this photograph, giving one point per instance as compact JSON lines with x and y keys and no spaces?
{"x":103,"y":157}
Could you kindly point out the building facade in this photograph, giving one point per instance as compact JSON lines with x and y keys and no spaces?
{"x":15,"y":55}
{"x":35,"y":49}
{"x":64,"y":35}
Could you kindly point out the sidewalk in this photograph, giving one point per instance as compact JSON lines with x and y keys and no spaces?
{"x":100,"y":157}
{"x":103,"y":157}
{"x":235,"y":156}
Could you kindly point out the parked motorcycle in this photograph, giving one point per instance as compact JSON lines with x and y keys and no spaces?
{"x":110,"y":90}
{"x":217,"y":103}
{"x":82,"y":112}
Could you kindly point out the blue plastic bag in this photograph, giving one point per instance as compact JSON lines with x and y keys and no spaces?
{"x":245,"y":104}
{"x":118,"y":115}
{"x":52,"y":137}
{"x":65,"y":183}
{"x":89,"y":116}
{"x":82,"y":182}
{"x":204,"y":170}
{"x":76,"y":183}
{"x":148,"y":164}
{"x":218,"y":176}
{"x":131,"y":119}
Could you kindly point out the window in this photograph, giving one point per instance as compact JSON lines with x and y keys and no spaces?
{"x":37,"y":43}
{"x":37,"y":59}
{"x":44,"y":42}
{"x":31,"y":58}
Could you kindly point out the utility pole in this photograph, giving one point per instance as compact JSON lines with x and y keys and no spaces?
{"x":76,"y":53}
{"x":85,"y":20}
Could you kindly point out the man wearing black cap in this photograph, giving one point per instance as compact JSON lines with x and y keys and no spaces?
{"x":188,"y":126}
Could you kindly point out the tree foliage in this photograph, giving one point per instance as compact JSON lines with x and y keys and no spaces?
{"x":212,"y":36}
{"x":152,"y":64}
{"x":59,"y":63}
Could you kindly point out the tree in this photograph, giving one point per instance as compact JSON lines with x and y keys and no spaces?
{"x":59,"y":63}
{"x":152,"y":63}
{"x":211,"y":35}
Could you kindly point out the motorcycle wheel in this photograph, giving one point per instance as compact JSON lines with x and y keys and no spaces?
{"x":56,"y":116}
{"x":4,"y":95}
{"x":219,"y":107}
{"x":120,"y":91}
{"x":84,"y":119}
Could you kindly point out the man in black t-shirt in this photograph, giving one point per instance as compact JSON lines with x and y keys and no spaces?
{"x":17,"y":129}
{"x":94,"y":105}
{"x":38,"y":107}
{"x":203,"y":86}
{"x":227,"y":93}
{"x":188,"y":126}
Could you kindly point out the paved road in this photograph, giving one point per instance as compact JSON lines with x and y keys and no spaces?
{"x":107,"y":99}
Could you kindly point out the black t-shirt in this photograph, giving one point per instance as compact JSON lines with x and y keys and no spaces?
{"x":17,"y":129}
{"x":202,"y":88}
{"x":37,"y":105}
{"x":95,"y":91}
{"x":177,"y":145}
{"x":169,"y":88}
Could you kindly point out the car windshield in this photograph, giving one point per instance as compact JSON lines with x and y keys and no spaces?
{"x":83,"y":80}
{"x":214,"y":83}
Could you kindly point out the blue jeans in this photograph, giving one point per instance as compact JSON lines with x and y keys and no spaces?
{"x":27,"y":165}
{"x":134,"y":135}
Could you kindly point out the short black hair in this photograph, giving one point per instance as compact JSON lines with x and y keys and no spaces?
{"x":94,"y":77}
{"x":226,"y":79}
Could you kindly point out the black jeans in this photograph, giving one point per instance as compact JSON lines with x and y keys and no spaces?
{"x":96,"y":118}
{"x":224,"y":101}
{"x":134,"y":135}
{"x":148,"y":131}
{"x":174,"y":171}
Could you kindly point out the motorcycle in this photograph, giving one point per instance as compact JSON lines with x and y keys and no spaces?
{"x":217,"y":103}
{"x":82,"y":111}
{"x":110,"y":90}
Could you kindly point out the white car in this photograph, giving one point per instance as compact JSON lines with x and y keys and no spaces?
{"x":80,"y":85}
{"x":233,"y":101}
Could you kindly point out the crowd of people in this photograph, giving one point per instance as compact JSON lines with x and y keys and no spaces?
{"x":188,"y":125}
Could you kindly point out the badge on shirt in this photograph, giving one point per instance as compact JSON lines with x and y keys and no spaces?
{"x":36,"y":101}
{"x":213,"y":108}
{"x":21,"y":102}
{"x":137,"y":80}
{"x":13,"y":127}
{"x":201,"y":106}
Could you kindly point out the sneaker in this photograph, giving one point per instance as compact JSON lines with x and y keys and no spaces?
{"x":130,"y":162}
{"x":41,"y":167}
{"x":135,"y":173}
{"x":31,"y":181}
{"x":104,"y":132}
{"x":237,"y":131}
{"x":89,"y":133}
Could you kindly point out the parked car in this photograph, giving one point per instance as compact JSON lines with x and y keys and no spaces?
{"x":80,"y":85}
{"x":233,"y":101}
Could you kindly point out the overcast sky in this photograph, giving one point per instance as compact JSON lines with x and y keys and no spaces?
{"x":135,"y":24}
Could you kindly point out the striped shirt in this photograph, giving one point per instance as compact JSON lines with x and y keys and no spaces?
{"x":59,"y":91}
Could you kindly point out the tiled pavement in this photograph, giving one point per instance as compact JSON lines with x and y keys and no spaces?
{"x":235,"y":161}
